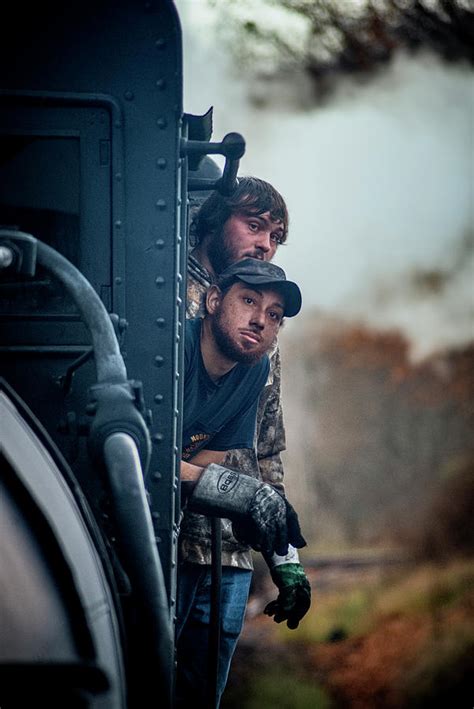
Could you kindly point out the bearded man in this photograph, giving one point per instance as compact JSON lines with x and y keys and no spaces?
{"x":250,"y":223}
{"x":226,"y":368}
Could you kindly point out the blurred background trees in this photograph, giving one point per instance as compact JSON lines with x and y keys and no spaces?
{"x":374,"y":437}
{"x":361,"y":114}
{"x":327,"y":39}
{"x":381,"y":439}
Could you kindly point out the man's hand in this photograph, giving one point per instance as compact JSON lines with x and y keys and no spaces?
{"x":260,"y":516}
{"x":294,"y":599}
{"x":268,"y":517}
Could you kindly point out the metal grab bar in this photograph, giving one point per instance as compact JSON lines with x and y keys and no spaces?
{"x":232,"y":147}
{"x":215,"y":616}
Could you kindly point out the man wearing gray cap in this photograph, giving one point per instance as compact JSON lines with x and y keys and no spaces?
{"x":226,"y":368}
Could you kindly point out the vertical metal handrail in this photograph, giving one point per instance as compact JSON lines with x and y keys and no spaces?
{"x":215,"y":616}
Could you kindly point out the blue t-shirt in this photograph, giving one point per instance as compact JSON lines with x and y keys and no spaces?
{"x":219,"y":415}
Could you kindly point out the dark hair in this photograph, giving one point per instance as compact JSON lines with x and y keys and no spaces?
{"x":251,"y":196}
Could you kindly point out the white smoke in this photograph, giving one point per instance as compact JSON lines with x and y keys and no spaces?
{"x":379,"y":181}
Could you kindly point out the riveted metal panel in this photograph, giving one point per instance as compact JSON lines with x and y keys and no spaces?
{"x":107,"y":74}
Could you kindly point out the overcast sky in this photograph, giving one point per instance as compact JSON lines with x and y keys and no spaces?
{"x":379,"y":184}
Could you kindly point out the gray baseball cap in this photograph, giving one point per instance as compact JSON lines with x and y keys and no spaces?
{"x":263,"y":273}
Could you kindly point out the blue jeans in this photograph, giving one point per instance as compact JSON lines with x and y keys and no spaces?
{"x":192,"y":629}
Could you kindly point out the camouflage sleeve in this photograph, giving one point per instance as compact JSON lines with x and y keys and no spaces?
{"x":265,"y":461}
{"x":195,"y":299}
{"x":271,"y":439}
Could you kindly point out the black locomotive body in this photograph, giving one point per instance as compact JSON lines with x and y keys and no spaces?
{"x":95,"y":158}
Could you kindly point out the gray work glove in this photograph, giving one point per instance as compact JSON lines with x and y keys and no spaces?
{"x":260,"y":516}
{"x":245,"y":530}
{"x":294,"y":598}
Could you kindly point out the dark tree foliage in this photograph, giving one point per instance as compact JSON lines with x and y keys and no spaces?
{"x":349,"y":38}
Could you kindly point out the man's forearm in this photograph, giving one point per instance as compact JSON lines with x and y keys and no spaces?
{"x":190,"y":473}
{"x":192,"y":469}
{"x":264,"y":517}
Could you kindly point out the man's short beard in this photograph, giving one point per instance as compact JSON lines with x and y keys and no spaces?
{"x":228,"y":347}
{"x":219,"y":253}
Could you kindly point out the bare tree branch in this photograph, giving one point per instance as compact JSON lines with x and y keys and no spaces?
{"x":343,"y":39}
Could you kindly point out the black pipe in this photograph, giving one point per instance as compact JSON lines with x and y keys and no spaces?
{"x":215,"y":618}
{"x":142,"y":564}
{"x":108,"y":359}
{"x":154,"y":640}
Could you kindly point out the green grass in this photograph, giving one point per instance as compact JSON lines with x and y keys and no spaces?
{"x":349,"y":612}
{"x":426,"y":589}
{"x":443,"y":667}
{"x":429,"y":588}
{"x":283,"y":691}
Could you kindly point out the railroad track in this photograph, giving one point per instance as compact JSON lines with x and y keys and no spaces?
{"x":355,"y":561}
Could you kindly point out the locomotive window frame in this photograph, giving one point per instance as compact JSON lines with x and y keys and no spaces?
{"x":95,"y":123}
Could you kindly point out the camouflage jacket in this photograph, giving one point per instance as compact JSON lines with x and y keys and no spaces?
{"x":263,"y":461}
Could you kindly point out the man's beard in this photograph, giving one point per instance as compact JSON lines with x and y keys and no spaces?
{"x":231,"y":349}
{"x":219,"y":252}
